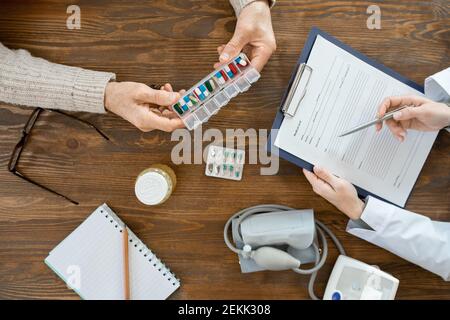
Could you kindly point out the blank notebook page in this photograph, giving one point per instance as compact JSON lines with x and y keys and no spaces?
{"x":94,"y":252}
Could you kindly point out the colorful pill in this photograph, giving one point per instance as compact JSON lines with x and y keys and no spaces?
{"x":201,"y":96}
{"x":233,"y":68}
{"x":224,"y":75}
{"x":219,"y":78}
{"x":208,"y":85}
{"x":182,"y":104}
{"x":187,"y":102}
{"x":231,"y":170}
{"x":193,"y":99}
{"x":229,"y":72}
{"x":201,"y":92}
{"x":178,"y":109}
{"x":241,"y":61}
{"x":204,"y":90}
{"x":198,"y":96}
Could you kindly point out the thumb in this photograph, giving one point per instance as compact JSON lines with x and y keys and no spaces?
{"x":407,"y":113}
{"x":326,"y":176}
{"x":160,"y":97}
{"x":232,"y":48}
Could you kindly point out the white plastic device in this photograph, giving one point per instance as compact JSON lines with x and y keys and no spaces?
{"x":355,"y":280}
{"x":295,"y":228}
{"x":276,"y":237}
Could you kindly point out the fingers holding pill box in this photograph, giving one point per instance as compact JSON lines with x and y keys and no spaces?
{"x":142,"y":106}
{"x":214,"y":91}
{"x":253,"y":35}
{"x":147,"y":108}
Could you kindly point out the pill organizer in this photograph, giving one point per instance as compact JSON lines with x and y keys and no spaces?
{"x":214,"y":91}
{"x":225,"y":163}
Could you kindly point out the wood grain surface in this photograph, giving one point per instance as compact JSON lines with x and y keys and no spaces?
{"x":175,"y":41}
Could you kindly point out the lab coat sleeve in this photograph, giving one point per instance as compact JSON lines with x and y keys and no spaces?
{"x":437,"y":87}
{"x":411,"y":236}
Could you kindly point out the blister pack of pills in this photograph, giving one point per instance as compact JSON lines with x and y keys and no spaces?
{"x":225,"y":163}
{"x":214,"y":91}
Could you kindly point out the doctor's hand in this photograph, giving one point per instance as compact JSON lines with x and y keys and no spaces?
{"x":423,"y":115}
{"x":144,"y":107}
{"x":253,"y":35}
{"x":339,"y":192}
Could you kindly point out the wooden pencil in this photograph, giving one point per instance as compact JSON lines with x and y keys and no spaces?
{"x":126,"y":264}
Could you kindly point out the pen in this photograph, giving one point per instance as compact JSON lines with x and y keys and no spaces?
{"x":387,"y":116}
{"x":126,"y":264}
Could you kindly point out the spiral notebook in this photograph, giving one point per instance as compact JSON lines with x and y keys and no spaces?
{"x":90,"y":261}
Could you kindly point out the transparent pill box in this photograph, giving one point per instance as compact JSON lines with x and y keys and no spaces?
{"x":225,"y":163}
{"x":214,"y":91}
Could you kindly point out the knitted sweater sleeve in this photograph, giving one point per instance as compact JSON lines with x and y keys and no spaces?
{"x":238,"y":5}
{"x":30,"y":81}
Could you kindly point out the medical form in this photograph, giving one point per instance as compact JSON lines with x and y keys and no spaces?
{"x":344,"y":91}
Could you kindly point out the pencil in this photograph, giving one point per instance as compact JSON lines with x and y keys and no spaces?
{"x":126,"y":264}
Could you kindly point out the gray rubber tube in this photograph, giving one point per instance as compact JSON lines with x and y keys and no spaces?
{"x":321,"y":230}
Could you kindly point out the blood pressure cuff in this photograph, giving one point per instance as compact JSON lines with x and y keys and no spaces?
{"x":248,"y":265}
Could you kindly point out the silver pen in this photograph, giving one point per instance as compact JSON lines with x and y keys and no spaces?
{"x":387,"y":116}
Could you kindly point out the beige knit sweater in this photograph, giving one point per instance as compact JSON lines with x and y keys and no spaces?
{"x":30,"y":81}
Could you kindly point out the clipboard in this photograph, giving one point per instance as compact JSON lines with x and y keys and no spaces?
{"x":300,"y":80}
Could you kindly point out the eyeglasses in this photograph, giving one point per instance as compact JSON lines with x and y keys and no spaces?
{"x":26,"y":131}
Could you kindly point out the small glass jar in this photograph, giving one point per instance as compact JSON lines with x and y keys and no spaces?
{"x":155,"y":184}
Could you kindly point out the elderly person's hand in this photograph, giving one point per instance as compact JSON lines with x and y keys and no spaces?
{"x":339,"y":192}
{"x":253,"y":35}
{"x":144,"y":107}
{"x":423,"y":115}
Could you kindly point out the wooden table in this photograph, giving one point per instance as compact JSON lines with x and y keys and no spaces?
{"x":158,"y":41}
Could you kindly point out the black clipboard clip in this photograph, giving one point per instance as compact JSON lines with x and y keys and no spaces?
{"x":301,"y":81}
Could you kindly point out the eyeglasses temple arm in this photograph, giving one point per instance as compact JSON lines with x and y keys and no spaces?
{"x":18,"y":174}
{"x":82,"y":121}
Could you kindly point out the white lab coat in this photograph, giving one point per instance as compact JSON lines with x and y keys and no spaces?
{"x":409,"y":235}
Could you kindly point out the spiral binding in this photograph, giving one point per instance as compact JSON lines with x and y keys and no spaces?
{"x":146,"y":252}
